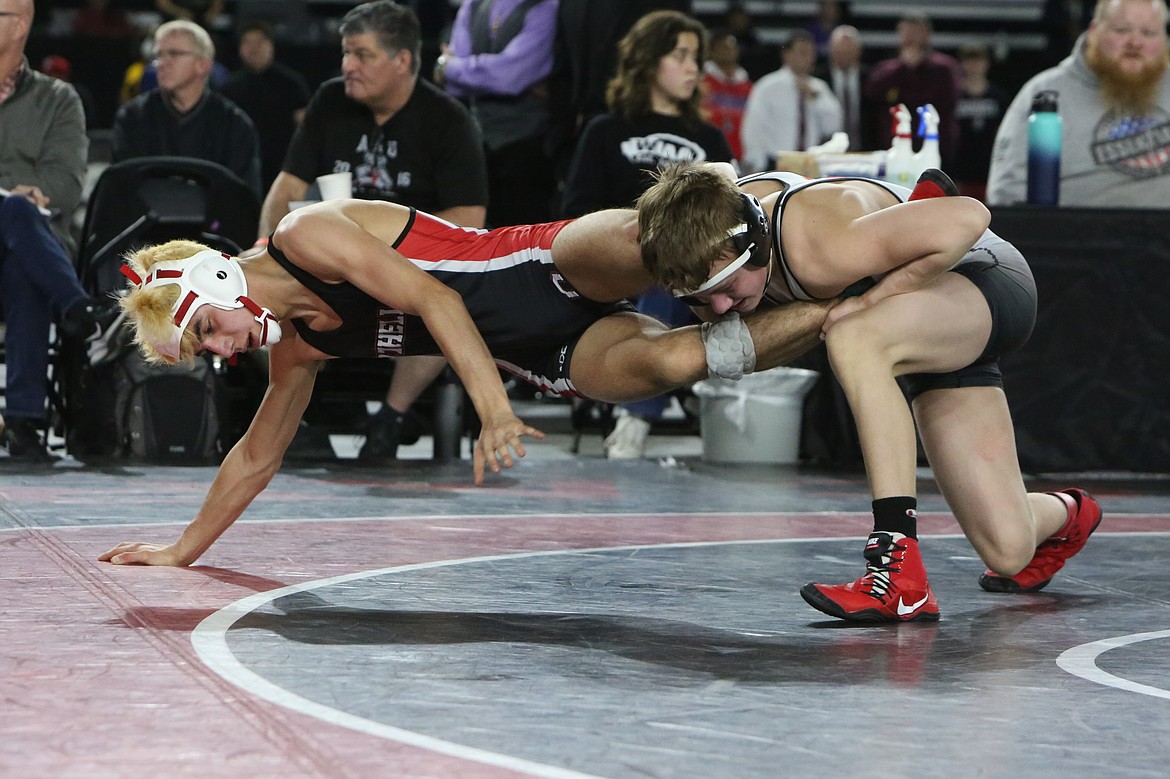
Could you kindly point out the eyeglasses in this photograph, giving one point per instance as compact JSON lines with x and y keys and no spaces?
{"x":173,"y":54}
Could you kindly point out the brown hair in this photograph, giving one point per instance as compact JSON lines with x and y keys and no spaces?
{"x":149,"y":310}
{"x":650,"y":39}
{"x":683,"y":221}
{"x":396,"y":26}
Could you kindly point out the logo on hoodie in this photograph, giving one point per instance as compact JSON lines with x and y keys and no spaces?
{"x":1137,"y":146}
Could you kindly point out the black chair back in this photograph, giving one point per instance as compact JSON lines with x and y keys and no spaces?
{"x":149,"y":200}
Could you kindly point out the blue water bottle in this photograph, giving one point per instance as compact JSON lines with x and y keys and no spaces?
{"x":1044,"y":131}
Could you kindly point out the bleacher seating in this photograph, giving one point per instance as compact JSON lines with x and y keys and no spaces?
{"x":307,"y":38}
{"x":1014,"y":29}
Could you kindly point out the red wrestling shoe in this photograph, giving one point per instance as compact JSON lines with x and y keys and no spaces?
{"x":933,"y":183}
{"x":1084,"y":514}
{"x":893,"y":589}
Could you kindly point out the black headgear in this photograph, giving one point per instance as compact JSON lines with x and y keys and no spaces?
{"x":750,"y":238}
{"x":755,"y":238}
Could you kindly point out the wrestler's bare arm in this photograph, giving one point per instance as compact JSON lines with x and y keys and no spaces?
{"x":248,"y":467}
{"x":835,"y":236}
{"x":285,"y":189}
{"x":917,"y":242}
{"x":352,"y":242}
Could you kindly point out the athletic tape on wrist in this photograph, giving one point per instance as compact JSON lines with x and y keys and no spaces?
{"x":730,"y":350}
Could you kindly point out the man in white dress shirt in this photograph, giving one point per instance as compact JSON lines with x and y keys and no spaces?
{"x":845,"y":73}
{"x":788,"y":109}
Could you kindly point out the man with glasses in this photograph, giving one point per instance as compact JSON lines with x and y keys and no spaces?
{"x":184,"y":117}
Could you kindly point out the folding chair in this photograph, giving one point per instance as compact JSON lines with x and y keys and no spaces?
{"x":154,"y":199}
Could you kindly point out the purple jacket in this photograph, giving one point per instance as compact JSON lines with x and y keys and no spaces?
{"x":526,"y":60}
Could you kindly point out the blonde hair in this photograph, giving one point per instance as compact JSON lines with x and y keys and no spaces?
{"x":683,"y":221}
{"x":150,"y":310}
{"x":200,"y":40}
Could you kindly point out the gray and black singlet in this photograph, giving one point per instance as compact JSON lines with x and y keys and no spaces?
{"x":993,"y":265}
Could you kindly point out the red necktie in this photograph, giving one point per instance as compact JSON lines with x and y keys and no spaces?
{"x":847,"y":106}
{"x":802,"y":120}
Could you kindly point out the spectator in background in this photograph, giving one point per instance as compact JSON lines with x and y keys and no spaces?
{"x":404,"y":140}
{"x":725,"y":88}
{"x":184,"y":117}
{"x":830,"y":15}
{"x":584,"y":54}
{"x":42,"y":165}
{"x":59,"y":68}
{"x":142,"y":74}
{"x":1115,"y":106}
{"x":979,"y":111}
{"x":756,"y":57}
{"x":134,"y":77}
{"x":654,"y":121}
{"x":102,"y":19}
{"x":845,"y":73}
{"x":654,"y":117}
{"x":273,"y":95}
{"x":498,"y":63}
{"x":788,"y":109}
{"x":917,"y":76}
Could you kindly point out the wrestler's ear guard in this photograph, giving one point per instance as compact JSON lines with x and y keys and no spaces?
{"x":750,"y":239}
{"x":753,"y":238}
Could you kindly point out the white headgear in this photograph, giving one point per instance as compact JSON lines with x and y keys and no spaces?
{"x":208,"y":277}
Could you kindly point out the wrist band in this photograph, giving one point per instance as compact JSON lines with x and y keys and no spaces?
{"x":730,"y":350}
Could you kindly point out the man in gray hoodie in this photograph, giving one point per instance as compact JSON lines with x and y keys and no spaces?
{"x":1114,"y":101}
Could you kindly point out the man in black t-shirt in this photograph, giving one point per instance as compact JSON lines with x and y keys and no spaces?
{"x":403,"y":140}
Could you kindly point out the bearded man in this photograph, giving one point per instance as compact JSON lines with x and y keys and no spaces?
{"x":1114,"y":101}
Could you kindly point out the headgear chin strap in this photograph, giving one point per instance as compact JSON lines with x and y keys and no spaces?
{"x":206,"y":278}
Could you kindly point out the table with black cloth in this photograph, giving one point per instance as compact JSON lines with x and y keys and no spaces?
{"x":1090,"y":391}
{"x":1091,"y":388}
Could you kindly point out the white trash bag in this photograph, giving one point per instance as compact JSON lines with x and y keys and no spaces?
{"x":755,"y":419}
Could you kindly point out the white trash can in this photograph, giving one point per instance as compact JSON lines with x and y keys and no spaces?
{"x":755,"y":419}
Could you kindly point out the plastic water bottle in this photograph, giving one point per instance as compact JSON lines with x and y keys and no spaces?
{"x":900,"y":166}
{"x":1044,"y":130}
{"x":928,"y":156}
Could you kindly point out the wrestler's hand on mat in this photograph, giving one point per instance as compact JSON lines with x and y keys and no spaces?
{"x":137,"y":553}
{"x":497,"y":441}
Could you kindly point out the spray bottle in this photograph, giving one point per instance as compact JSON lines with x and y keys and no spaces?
{"x":928,"y":156}
{"x":900,"y":166}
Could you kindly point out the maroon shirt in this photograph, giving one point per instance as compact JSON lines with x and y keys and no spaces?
{"x":934,"y":80}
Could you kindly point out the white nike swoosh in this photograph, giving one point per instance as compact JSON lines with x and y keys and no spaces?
{"x":903,"y":609}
